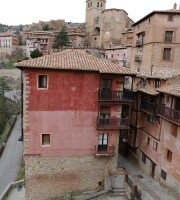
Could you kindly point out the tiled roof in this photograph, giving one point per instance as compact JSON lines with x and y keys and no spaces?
{"x":148,"y":90}
{"x":74,"y":60}
{"x":7,"y":34}
{"x":163,"y":73}
{"x":171,"y":11}
{"x":171,"y":87}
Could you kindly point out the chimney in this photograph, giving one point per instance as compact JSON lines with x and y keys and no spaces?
{"x":175,"y":6}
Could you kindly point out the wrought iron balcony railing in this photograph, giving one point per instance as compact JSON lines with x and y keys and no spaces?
{"x":112,"y":95}
{"x":147,"y":106}
{"x":168,"y":113}
{"x":109,"y":151}
{"x":112,"y":123}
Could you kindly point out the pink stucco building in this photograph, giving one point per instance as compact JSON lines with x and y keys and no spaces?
{"x":72,"y":116}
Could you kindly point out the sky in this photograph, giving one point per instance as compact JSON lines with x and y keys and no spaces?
{"x":15,"y":12}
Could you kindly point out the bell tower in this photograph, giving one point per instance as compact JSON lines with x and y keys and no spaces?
{"x":93,"y":14}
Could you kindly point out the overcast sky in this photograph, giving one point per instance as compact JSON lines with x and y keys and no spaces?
{"x":15,"y":12}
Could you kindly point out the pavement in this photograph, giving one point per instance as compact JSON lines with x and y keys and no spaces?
{"x":10,"y":160}
{"x":16,"y":194}
{"x":150,"y":189}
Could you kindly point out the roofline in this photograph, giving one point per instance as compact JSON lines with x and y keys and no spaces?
{"x":153,"y":13}
{"x":164,"y":92}
{"x":77,"y":70}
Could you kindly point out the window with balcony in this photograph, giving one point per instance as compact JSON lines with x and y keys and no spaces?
{"x":163,"y":174}
{"x":169,"y":36}
{"x":105,"y":114}
{"x":174,"y":130}
{"x":45,"y":139}
{"x":42,"y":81}
{"x":106,"y":84}
{"x":102,"y":142}
{"x":167,"y":54}
{"x":168,"y":155}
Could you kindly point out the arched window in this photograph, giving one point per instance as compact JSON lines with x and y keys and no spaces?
{"x":98,"y":4}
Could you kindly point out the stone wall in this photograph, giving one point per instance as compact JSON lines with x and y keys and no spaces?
{"x":52,"y":177}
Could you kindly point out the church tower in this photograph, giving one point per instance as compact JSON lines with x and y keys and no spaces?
{"x":93,"y":13}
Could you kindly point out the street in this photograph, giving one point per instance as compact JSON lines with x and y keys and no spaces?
{"x":11,"y":158}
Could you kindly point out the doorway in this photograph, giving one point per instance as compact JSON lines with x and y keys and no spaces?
{"x":153,"y":169}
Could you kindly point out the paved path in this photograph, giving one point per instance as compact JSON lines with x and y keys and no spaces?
{"x":11,"y":158}
{"x":150,"y":188}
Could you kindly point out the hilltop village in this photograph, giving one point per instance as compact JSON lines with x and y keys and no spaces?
{"x":114,"y":91}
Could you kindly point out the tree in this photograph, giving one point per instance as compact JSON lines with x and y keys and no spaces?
{"x":62,"y":39}
{"x":3,"y":86}
{"x":36,"y":53}
{"x":46,"y":27}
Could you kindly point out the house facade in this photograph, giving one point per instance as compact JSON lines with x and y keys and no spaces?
{"x":72,"y":116}
{"x":8,"y":43}
{"x":156,"y":61}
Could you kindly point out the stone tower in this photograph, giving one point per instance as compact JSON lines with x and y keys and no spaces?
{"x":93,"y":13}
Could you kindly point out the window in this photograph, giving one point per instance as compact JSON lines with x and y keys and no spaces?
{"x":147,"y":140}
{"x":169,"y":36}
{"x":169,"y":155}
{"x":112,"y":55}
{"x":102,"y":142}
{"x":163,"y":174}
{"x":101,"y":5}
{"x":170,"y":18}
{"x":42,"y":81}
{"x":157,"y":83}
{"x":45,"y":139}
{"x":98,"y":4}
{"x":143,"y":158}
{"x":155,"y":145}
{"x":150,"y":118}
{"x":174,"y":130}
{"x":106,"y":84}
{"x":167,"y":54}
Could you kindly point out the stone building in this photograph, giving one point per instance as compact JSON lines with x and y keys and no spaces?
{"x":104,"y":27}
{"x":8,"y":43}
{"x":72,"y":115}
{"x":155,"y":115}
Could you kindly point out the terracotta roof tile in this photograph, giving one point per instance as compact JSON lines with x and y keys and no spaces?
{"x":74,"y":60}
{"x":171,"y":87}
{"x":148,"y":90}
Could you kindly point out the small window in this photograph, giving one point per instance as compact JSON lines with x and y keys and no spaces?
{"x":155,"y":145}
{"x":149,"y":21}
{"x":163,"y":174}
{"x":147,"y":140}
{"x":169,"y":36}
{"x":167,"y":54}
{"x":42,"y":81}
{"x":169,"y":155}
{"x":45,"y":139}
{"x":143,"y":158}
{"x":157,"y":83}
{"x":101,"y":5}
{"x":150,"y":118}
{"x":112,"y":55}
{"x":174,"y":130}
{"x":98,"y":4}
{"x":170,"y":18}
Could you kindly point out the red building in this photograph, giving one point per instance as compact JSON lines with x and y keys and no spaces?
{"x":72,"y":117}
